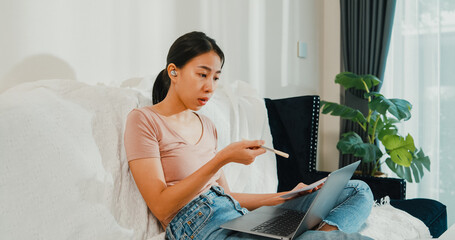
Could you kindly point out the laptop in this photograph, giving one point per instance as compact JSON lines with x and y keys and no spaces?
{"x":281,"y":223}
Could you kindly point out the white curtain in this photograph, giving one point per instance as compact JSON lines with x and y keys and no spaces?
{"x":421,"y":69}
{"x":106,"y":41}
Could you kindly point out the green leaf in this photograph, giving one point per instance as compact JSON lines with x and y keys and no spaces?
{"x":352,"y":80}
{"x":371,"y":80}
{"x":336,"y":109}
{"x":399,"y":148}
{"x":351,"y":143}
{"x":413,"y":173}
{"x":418,"y":164}
{"x":386,"y":130}
{"x":399,"y":108}
{"x":391,"y":165}
{"x":389,"y":120}
{"x":379,"y":103}
{"x":407,"y":174}
{"x":400,"y":171}
{"x":421,"y":158}
{"x":402,"y":109}
{"x":383,"y":128}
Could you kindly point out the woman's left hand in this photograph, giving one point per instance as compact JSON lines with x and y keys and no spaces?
{"x":302,"y":185}
{"x":278,"y":199}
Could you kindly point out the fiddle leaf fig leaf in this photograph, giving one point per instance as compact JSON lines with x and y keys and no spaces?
{"x":399,"y":148}
{"x":352,"y":80}
{"x":336,"y":109}
{"x":351,"y":143}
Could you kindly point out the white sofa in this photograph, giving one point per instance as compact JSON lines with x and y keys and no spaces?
{"x":64,"y":173}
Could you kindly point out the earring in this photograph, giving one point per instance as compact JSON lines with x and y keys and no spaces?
{"x":173,"y":73}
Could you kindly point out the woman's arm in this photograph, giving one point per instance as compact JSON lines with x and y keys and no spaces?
{"x":252,"y":201}
{"x":165,"y":201}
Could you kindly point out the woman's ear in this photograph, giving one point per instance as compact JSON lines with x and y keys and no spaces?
{"x":172,"y":72}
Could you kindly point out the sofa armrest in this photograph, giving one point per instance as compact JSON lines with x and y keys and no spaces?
{"x":431,"y":212}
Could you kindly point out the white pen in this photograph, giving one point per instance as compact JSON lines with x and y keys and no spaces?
{"x":283,"y":154}
{"x":277,"y":152}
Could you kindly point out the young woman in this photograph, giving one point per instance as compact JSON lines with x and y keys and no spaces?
{"x":172,"y":154}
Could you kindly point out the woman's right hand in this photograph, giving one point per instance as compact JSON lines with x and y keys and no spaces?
{"x":243,"y":152}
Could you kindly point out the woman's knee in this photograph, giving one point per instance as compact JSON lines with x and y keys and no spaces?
{"x":363,"y":189}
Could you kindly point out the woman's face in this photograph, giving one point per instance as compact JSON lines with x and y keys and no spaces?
{"x":196,"y":81}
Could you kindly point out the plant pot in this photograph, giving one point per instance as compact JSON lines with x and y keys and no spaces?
{"x":376,"y":174}
{"x":395,"y":188}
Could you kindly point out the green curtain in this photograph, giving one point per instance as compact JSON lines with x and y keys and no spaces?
{"x":366,"y":28}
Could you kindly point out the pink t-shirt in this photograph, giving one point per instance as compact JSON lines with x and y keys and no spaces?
{"x":147,"y":135}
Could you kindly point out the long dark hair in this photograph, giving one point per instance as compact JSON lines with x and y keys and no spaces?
{"x":183,"y":50}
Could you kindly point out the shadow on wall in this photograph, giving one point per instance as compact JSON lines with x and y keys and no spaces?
{"x":37,"y":67}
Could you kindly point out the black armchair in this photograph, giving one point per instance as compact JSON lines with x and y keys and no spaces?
{"x":294,"y":124}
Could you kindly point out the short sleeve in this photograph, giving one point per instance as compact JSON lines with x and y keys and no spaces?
{"x":140,"y":137}
{"x":212,"y":130}
{"x":215,"y":133}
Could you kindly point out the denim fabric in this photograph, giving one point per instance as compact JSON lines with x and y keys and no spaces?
{"x":201,"y":218}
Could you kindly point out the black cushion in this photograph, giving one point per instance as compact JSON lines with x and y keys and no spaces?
{"x":293,"y":125}
{"x":430,"y":212}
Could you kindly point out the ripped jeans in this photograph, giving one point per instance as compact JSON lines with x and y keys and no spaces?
{"x":201,"y":218}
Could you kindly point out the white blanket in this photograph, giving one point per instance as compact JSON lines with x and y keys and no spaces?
{"x":389,"y":223}
{"x":64,"y":173}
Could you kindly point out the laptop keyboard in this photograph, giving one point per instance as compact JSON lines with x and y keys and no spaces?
{"x":282,"y":225}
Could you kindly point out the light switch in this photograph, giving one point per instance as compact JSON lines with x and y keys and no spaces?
{"x":301,"y":49}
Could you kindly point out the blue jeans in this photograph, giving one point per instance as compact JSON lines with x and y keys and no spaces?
{"x":201,"y":218}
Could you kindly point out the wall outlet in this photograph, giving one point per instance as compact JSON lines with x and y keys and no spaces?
{"x":301,"y":49}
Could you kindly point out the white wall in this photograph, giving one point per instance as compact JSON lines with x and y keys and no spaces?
{"x":330,"y":66}
{"x":108,"y":42}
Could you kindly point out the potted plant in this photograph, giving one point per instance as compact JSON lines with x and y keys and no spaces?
{"x":380,"y":126}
